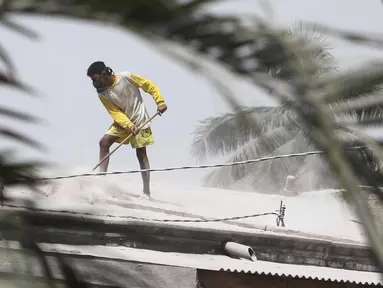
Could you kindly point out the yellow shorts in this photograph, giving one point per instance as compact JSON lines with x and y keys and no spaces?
{"x":142,"y":139}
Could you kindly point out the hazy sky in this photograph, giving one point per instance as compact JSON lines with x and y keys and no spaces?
{"x":56,"y":66}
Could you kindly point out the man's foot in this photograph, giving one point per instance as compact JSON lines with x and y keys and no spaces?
{"x":145,"y":196}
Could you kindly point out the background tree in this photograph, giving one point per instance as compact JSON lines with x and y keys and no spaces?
{"x":230,"y":136}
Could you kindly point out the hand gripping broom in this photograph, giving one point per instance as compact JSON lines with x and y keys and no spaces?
{"x":123,"y":141}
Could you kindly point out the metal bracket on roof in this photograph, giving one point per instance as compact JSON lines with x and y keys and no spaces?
{"x":281,"y":215}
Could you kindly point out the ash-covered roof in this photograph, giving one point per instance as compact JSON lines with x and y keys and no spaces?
{"x":319,"y":214}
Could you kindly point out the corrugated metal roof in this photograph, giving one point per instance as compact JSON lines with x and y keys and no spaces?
{"x":306,"y":272}
{"x":222,"y":263}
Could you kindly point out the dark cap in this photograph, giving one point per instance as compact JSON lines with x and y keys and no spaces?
{"x":96,"y":68}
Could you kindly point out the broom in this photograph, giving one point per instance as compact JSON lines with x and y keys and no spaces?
{"x":123,"y":141}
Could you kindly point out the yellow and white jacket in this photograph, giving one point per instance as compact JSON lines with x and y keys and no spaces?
{"x":124,"y":102}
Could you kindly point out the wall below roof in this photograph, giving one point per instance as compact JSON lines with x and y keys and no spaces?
{"x":26,"y":270}
{"x":168,"y":237}
{"x":218,"y":279}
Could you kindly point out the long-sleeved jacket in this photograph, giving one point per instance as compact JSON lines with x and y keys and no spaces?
{"x":124,"y":102}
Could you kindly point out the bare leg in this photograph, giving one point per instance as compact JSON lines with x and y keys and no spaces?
{"x":144,"y":164}
{"x":105,"y":143}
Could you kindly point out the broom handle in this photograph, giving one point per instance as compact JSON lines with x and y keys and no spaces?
{"x":123,"y":141}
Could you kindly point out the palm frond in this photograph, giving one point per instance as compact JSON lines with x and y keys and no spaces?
{"x":318,"y":44}
{"x":310,"y":170}
{"x":18,"y":137}
{"x":218,"y":135}
{"x":19,"y":116}
{"x":12,"y":82}
{"x":363,"y":101}
{"x":259,"y":146}
{"x":361,"y":38}
{"x":4,"y":57}
{"x":193,"y":6}
{"x":269,"y":176}
{"x":219,"y":37}
{"x":276,"y":63}
{"x":223,"y":134}
{"x":18,"y":173}
{"x":371,"y":117}
{"x":19,"y":28}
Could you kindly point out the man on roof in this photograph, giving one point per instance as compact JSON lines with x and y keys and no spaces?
{"x":120,"y":95}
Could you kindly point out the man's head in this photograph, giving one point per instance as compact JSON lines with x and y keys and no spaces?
{"x":101,"y":75}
